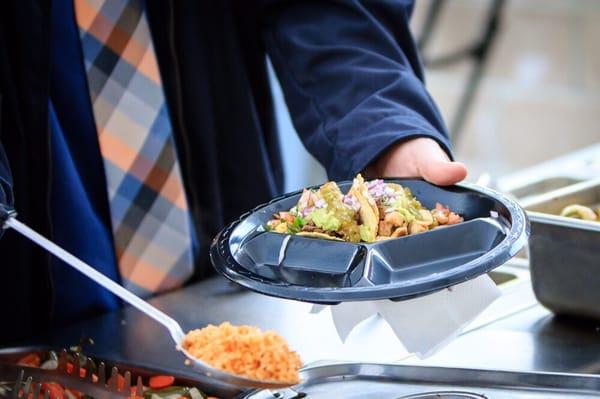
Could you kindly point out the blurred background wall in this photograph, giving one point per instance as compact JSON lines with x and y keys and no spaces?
{"x":539,"y":92}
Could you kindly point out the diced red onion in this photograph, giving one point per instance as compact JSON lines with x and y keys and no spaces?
{"x":376,"y":188}
{"x":351,"y":201}
{"x":389,"y":191}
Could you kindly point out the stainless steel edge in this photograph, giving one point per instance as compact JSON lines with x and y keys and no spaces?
{"x":462,"y":376}
{"x":435,"y":377}
{"x":561,"y":192}
{"x":555,"y":220}
{"x":582,"y":164}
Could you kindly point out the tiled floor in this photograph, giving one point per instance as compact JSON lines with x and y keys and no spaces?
{"x":540,"y":96}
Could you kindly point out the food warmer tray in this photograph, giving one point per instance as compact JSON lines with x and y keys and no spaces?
{"x":207,"y":385}
{"x":382,"y":381}
{"x":329,"y":272}
{"x":564,"y":254}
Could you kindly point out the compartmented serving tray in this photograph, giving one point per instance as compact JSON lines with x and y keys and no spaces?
{"x":324,"y":271}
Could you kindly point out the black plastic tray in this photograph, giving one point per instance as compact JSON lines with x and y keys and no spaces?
{"x":324,"y":271}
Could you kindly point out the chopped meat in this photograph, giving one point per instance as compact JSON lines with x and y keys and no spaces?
{"x":391,"y":223}
{"x":288,"y":217}
{"x":400,"y":231}
{"x":312,"y":228}
{"x":443,"y":215}
{"x":395,"y":219}
{"x":381,"y":208}
{"x":415,"y":227}
{"x":453,"y":218}
{"x":385,"y":229}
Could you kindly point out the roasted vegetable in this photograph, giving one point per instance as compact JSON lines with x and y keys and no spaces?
{"x":160,"y":386}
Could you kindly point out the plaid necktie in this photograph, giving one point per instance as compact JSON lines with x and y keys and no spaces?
{"x":149,"y":213}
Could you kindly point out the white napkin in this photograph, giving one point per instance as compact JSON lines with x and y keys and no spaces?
{"x":425,"y":324}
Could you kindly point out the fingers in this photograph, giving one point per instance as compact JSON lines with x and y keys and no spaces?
{"x":420,"y":157}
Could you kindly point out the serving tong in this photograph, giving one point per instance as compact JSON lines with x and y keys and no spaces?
{"x":29,"y":380}
{"x":8,"y":220}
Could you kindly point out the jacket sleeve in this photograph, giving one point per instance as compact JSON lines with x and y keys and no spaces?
{"x":351,"y":77}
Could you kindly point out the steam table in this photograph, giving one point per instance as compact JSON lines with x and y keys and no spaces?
{"x":525,"y":338}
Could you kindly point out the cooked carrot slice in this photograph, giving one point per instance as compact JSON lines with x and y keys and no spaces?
{"x":31,"y":359}
{"x":82,"y":371}
{"x":161,"y":381}
{"x":55,"y":390}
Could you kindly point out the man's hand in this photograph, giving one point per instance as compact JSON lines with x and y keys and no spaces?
{"x":420,"y":157}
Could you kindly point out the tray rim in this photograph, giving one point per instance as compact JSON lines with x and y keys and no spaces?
{"x":515,"y":239}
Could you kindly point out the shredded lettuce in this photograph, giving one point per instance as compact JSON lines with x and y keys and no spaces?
{"x":408,"y":207}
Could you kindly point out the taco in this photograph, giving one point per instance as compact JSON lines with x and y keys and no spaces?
{"x":369,"y":212}
{"x":343,"y":214}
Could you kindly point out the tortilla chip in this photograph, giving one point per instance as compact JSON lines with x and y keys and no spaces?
{"x":314,"y":234}
{"x":369,"y":212}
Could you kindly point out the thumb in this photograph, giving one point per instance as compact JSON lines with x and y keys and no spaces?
{"x":436,"y":167}
{"x":443,"y":173}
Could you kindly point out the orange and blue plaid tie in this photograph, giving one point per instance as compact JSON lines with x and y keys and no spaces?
{"x":149,"y":212}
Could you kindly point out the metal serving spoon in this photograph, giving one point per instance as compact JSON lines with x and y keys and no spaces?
{"x":170,"y":324}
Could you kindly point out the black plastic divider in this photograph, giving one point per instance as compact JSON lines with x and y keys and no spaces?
{"x":421,"y":255}
{"x":302,"y":260}
{"x":314,"y":262}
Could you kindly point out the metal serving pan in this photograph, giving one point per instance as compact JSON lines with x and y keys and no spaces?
{"x":543,"y":186}
{"x":570,"y":168}
{"x":12,"y":355}
{"x":389,"y":381}
{"x":328,"y":272}
{"x":564,"y":253}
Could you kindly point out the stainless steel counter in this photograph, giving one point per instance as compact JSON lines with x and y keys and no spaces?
{"x":514,"y":333}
